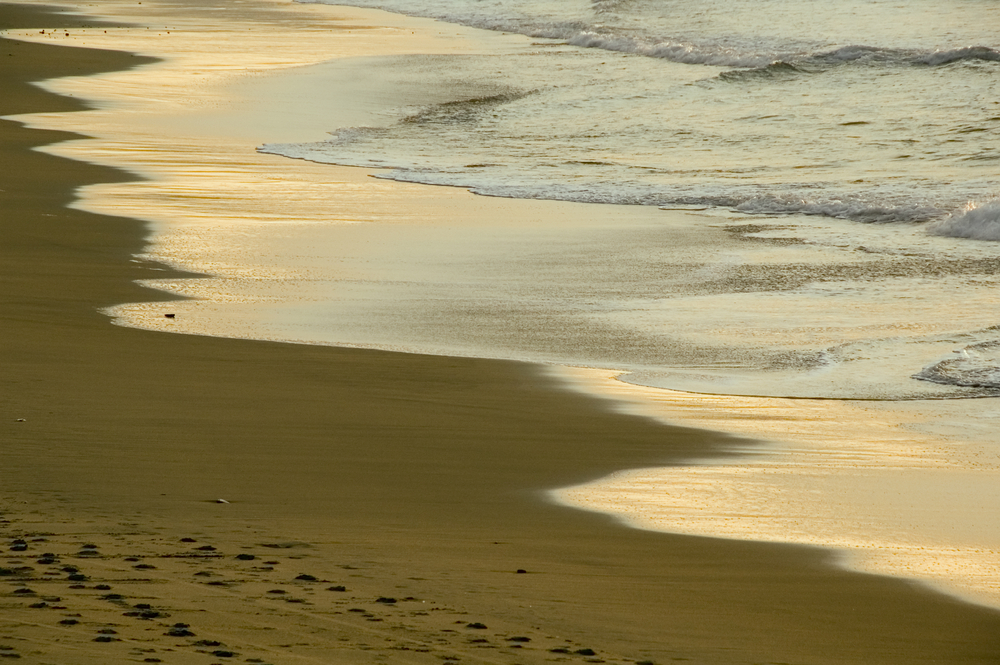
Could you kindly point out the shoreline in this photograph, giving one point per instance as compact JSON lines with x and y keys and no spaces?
{"x":417,"y":472}
{"x":205,"y":182}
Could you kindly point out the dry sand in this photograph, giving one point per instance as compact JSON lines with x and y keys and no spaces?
{"x":396,"y":476}
{"x":323,"y":254}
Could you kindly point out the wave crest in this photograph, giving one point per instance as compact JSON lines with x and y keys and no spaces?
{"x":977,"y":366}
{"x":975,"y":222}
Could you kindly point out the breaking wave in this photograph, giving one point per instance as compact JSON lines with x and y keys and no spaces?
{"x":975,"y":222}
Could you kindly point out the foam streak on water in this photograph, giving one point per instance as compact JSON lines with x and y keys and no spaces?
{"x":860,"y":111}
{"x":808,"y":159}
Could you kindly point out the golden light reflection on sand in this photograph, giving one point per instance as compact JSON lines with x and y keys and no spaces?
{"x":872,"y":478}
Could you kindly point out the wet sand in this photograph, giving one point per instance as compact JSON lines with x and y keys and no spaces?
{"x":328,"y":255}
{"x":393,"y":475}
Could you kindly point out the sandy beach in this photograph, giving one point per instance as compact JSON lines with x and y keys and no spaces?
{"x":375,"y":506}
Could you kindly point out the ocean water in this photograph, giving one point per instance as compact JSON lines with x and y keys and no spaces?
{"x":860,"y":141}
{"x":829,"y":182}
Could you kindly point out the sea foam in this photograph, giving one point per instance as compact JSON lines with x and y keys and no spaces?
{"x":975,"y":222}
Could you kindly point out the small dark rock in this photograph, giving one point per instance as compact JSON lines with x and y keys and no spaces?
{"x":47,"y":560}
{"x":112,"y":596}
{"x":245,"y":557}
{"x":38,"y":606}
{"x":107,"y":631}
{"x":131,"y":559}
{"x":18,"y":548}
{"x":70,"y":569}
{"x":519,"y":638}
{"x":277,"y":591}
{"x":476,"y":625}
{"x":69,"y":622}
{"x":339,"y":587}
{"x":143,"y":606}
{"x":306,"y":578}
{"x":170,"y":316}
{"x":105,"y":638}
{"x":559,"y":650}
{"x":88,"y":546}
{"x":181,"y":625}
{"x":207,"y":643}
{"x":103,"y":587}
{"x":521,"y":571}
{"x":586,"y":652}
{"x":144,"y":566}
{"x":205,"y":548}
{"x":223,"y":654}
{"x":357,"y":609}
{"x":151,"y":660}
{"x":77,"y":586}
{"x":188,"y":540}
{"x":644,"y":662}
{"x":77,"y":577}
{"x":24,"y":592}
{"x":150,"y":614}
{"x":383,"y":599}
